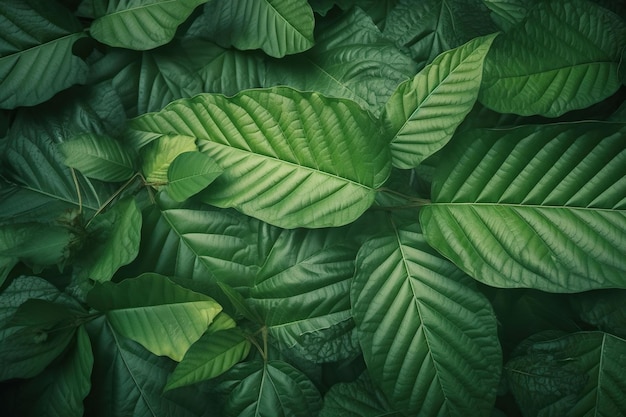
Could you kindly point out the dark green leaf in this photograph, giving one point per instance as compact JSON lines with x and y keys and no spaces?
{"x":35,"y":243}
{"x":604,"y":309}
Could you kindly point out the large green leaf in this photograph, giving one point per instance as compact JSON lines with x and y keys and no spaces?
{"x":280,"y":149}
{"x":140,"y":24}
{"x":278,"y":27}
{"x":163,"y":317}
{"x":189,"y":173}
{"x":535,"y":206}
{"x":564,"y":56}
{"x":274,"y":388}
{"x":423,"y":113}
{"x":302,"y":292}
{"x":36,"y":56}
{"x":98,"y":156}
{"x":350,"y":59}
{"x":577,"y":375}
{"x":429,"y":339}
{"x":130,"y":381}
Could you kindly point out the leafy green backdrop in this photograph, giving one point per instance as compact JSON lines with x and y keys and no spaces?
{"x":312,"y":208}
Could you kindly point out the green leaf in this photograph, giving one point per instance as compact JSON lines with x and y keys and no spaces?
{"x":98,"y":156}
{"x":163,"y":317}
{"x":302,"y":291}
{"x":113,"y":241}
{"x":7,"y":263}
{"x":281,"y":166}
{"x":274,"y":388}
{"x":190,"y":173}
{"x":159,"y":154}
{"x":40,"y":313}
{"x":508,"y":13}
{"x":429,"y":340}
{"x":212,"y":355}
{"x":278,"y":27}
{"x":35,"y":244}
{"x":423,"y":113}
{"x":536,"y":206}
{"x":563,"y":56}
{"x":604,"y":309}
{"x":140,"y":24}
{"x":240,"y":303}
{"x":351,"y":59}
{"x":36,"y":52}
{"x":130,"y":381}
{"x":575,"y":375}
{"x":356,"y":399}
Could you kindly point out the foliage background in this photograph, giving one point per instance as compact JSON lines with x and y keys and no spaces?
{"x":303,"y":208}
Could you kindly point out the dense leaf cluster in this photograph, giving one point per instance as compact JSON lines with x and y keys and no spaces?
{"x":312,"y":208}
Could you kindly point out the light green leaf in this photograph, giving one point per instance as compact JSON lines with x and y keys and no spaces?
{"x":278,"y":27}
{"x":113,"y":241}
{"x":563,"y":56}
{"x":159,"y":154}
{"x":35,"y":244}
{"x":163,"y":317}
{"x":536,"y":206}
{"x":279,"y":150}
{"x":190,"y":173}
{"x":575,"y":375}
{"x":351,"y":59}
{"x":356,"y":399}
{"x":423,"y":113}
{"x":99,"y":156}
{"x":140,"y":24}
{"x":302,"y":291}
{"x":275,"y":389}
{"x":429,"y":340}
{"x":36,"y":56}
{"x":212,"y":355}
{"x":604,"y":309}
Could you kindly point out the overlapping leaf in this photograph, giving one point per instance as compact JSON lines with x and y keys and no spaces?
{"x":290,"y":158}
{"x":159,"y":154}
{"x":190,"y":173}
{"x":564,"y":56}
{"x":140,"y":24}
{"x":604,"y":309}
{"x":150,"y":309}
{"x":423,"y":113}
{"x":535,"y":206}
{"x":429,"y":340}
{"x":36,"y":55}
{"x":356,"y":399}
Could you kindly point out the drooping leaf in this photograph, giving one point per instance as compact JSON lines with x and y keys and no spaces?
{"x":536,"y":206}
{"x":604,"y":309}
{"x":140,"y":24}
{"x":423,"y":113}
{"x":213,"y":354}
{"x":36,"y":244}
{"x":280,"y":165}
{"x":190,"y":173}
{"x":130,"y":381}
{"x":278,"y":27}
{"x":575,"y":375}
{"x":98,"y":156}
{"x":302,"y":292}
{"x":351,"y":59}
{"x":163,"y":317}
{"x":159,"y":154}
{"x":274,"y":388}
{"x":430,"y":27}
{"x":428,"y":338}
{"x":36,"y":52}
{"x":563,"y":56}
{"x":113,"y":241}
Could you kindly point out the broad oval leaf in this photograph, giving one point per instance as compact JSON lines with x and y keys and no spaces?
{"x":429,"y":340}
{"x":159,"y":154}
{"x":163,"y":317}
{"x":190,"y":173}
{"x":423,"y":113}
{"x":99,"y":156}
{"x":140,"y":24}
{"x":536,"y":206}
{"x":290,"y":158}
{"x":36,"y":56}
{"x":577,"y":375}
{"x":565,"y":55}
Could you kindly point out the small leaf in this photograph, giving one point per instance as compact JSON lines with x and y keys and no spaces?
{"x":140,"y":24}
{"x":563,"y":56}
{"x":423,"y":113}
{"x":98,"y":156}
{"x":159,"y":154}
{"x":212,"y":355}
{"x":190,"y":173}
{"x":35,"y":243}
{"x":149,"y":310}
